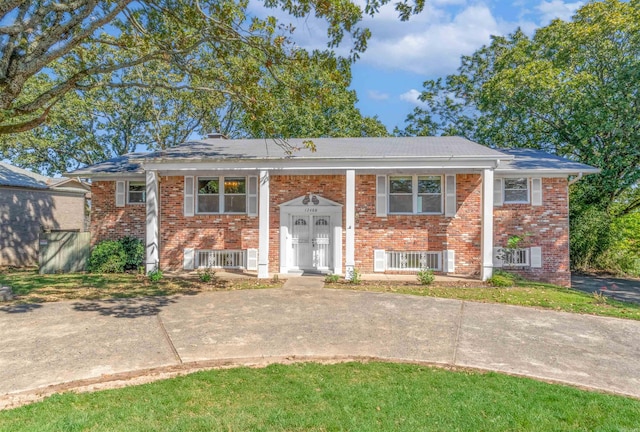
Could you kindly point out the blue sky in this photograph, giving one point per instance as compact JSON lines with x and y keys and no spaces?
{"x":402,"y":55}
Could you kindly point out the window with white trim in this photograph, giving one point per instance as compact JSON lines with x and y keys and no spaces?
{"x":136,"y":192}
{"x":516,"y":190}
{"x":221,"y":195}
{"x":415,"y":194}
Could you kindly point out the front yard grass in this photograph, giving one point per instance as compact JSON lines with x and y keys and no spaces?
{"x":31,"y":287}
{"x":525,"y":293}
{"x":348,"y":396}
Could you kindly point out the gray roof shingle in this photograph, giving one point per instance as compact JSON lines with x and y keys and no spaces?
{"x":326,"y":148}
{"x":538,"y":160}
{"x":17,"y":177}
{"x":339,"y":149}
{"x":12,"y":176}
{"x":329,"y":148}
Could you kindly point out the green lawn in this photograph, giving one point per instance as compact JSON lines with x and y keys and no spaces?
{"x":31,"y":287}
{"x":525,"y":293}
{"x":349,"y":396}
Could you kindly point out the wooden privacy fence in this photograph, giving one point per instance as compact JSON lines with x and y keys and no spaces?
{"x":64,"y":252}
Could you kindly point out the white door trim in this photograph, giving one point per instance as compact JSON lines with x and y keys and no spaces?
{"x":310,"y":205}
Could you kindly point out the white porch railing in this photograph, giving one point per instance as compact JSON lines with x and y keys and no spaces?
{"x":515,"y":257}
{"x":227,"y":258}
{"x":414,"y":260}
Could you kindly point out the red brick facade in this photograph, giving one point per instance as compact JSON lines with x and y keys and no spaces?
{"x":109,"y":222}
{"x":546,"y":226}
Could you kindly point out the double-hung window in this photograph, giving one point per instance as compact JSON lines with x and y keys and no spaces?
{"x":415,"y":194}
{"x":222,"y":195}
{"x":208,"y":195}
{"x":136,"y":192}
{"x":235,"y":195}
{"x":516,"y":190}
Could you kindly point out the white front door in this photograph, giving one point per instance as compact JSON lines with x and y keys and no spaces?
{"x":311,"y":242}
{"x":321,"y":242}
{"x":301,"y":241}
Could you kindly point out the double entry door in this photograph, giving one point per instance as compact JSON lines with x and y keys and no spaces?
{"x":311,"y":242}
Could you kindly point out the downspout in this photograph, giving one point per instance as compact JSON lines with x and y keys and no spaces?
{"x":575,"y":179}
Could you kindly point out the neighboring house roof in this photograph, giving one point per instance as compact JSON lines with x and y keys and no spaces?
{"x":540,"y":162}
{"x":330,"y":152}
{"x":12,"y":176}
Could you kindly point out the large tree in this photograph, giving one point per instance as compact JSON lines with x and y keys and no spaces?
{"x":81,"y":44}
{"x":573,"y":89}
{"x":312,"y":100}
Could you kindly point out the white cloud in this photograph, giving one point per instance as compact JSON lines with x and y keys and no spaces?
{"x":412,"y":97}
{"x":432,"y":44}
{"x":377,"y":95}
{"x":557,"y":9}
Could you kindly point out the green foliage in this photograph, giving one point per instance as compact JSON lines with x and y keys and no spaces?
{"x":623,"y":256}
{"x":134,"y":251}
{"x":570,"y":89}
{"x":332,"y":278}
{"x":425,"y":276}
{"x":591,"y":236}
{"x":108,"y":256}
{"x":217,"y":49}
{"x":206,"y":274}
{"x":372,"y":396}
{"x":155,"y":275}
{"x":356,"y":277}
{"x":501,"y":280}
{"x":116,"y":256}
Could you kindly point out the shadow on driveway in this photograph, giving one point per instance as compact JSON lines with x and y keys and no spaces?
{"x":126,"y":308}
{"x":627,"y":290}
{"x":20,"y":308}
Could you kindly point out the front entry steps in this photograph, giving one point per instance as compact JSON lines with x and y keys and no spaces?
{"x":313,"y":282}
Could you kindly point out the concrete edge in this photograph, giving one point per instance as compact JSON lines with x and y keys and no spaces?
{"x":144,"y":376}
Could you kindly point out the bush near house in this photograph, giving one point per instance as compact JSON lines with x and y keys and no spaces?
{"x":116,"y":256}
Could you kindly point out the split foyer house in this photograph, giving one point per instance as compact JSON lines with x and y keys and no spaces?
{"x":373,"y":204}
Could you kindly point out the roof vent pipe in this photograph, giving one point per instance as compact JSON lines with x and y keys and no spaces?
{"x":216,"y":135}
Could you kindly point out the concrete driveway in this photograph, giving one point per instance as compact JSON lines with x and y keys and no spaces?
{"x":627,"y":290}
{"x":85,"y":343}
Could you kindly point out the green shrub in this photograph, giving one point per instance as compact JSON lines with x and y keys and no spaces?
{"x":206,"y":274}
{"x":501,"y":280}
{"x":134,"y":250}
{"x":155,"y":275}
{"x":108,"y":256}
{"x":331,"y":278}
{"x":356,"y":277}
{"x":425,"y":276}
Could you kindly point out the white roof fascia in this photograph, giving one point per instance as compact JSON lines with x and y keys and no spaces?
{"x":542,"y":172}
{"x":139,"y":176}
{"x":323,"y":164}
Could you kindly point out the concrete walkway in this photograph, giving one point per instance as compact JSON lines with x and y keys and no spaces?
{"x":84,"y":342}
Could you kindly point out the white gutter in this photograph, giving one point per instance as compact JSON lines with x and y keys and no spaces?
{"x":575,"y":179}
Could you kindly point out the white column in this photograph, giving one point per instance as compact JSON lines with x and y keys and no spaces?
{"x":487,"y":224}
{"x":350,"y":209}
{"x":263,"y":226}
{"x":152,"y":236}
